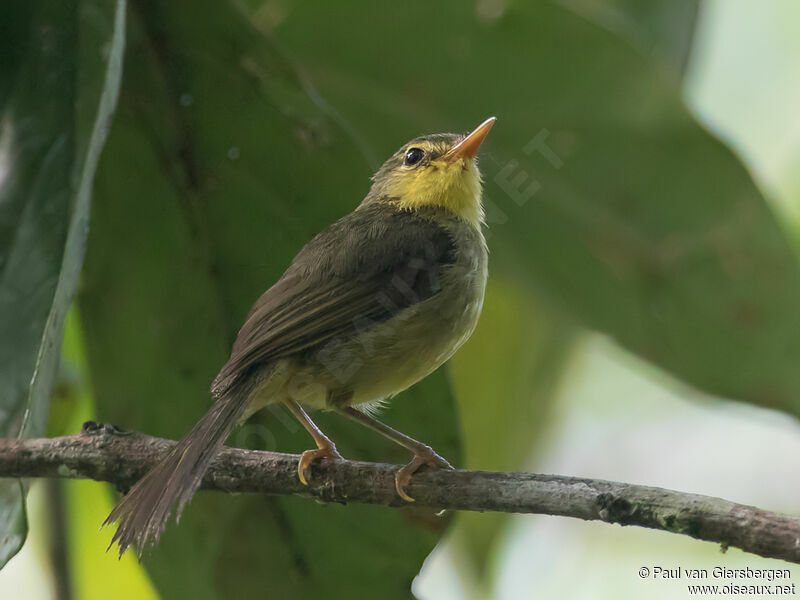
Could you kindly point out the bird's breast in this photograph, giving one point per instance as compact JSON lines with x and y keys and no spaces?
{"x":408,"y":347}
{"x":381,"y":359}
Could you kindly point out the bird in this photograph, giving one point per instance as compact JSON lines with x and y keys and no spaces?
{"x":371,"y":305}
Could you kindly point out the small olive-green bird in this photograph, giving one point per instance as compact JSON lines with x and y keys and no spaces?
{"x":370,"y":306}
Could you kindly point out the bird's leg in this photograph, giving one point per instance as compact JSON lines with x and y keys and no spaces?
{"x":423,"y":454}
{"x":325,"y":447}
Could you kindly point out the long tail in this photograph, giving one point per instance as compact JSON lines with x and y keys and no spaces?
{"x":144,"y":511}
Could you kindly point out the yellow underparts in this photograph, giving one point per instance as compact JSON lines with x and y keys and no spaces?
{"x":454,"y":185}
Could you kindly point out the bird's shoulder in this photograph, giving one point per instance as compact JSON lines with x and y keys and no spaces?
{"x":368,"y":265}
{"x":373,"y":239}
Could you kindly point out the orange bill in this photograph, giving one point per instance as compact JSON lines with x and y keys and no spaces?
{"x":468,"y":147}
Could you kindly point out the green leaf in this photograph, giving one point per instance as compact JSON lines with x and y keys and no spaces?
{"x":60,"y":75}
{"x":221,"y":164}
{"x":605,"y":197}
{"x":92,"y":570}
{"x":661,"y":30}
{"x":505,"y":378}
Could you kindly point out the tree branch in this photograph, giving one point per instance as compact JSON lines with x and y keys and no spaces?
{"x":106,"y":454}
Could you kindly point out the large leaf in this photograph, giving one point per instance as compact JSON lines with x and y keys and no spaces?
{"x":506,"y":376}
{"x":608,"y":199}
{"x":219,"y":167}
{"x":60,"y":74}
{"x":505,"y":379}
{"x":662,"y":30}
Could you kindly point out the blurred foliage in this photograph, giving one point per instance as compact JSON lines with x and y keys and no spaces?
{"x":505,"y":379}
{"x":220,"y":165}
{"x":93,"y":571}
{"x":59,"y":76}
{"x":608,"y":207}
{"x":662,"y":31}
{"x":607,"y":199}
{"x":530,"y":341}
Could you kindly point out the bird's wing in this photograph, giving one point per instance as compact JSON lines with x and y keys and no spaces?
{"x":362,"y":270}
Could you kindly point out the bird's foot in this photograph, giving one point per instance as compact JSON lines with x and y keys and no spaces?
{"x":309,"y":456}
{"x":403,"y":475}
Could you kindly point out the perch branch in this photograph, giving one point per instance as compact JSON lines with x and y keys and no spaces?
{"x":105,"y":454}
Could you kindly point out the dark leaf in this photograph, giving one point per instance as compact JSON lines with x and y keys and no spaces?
{"x":220,"y":166}
{"x":506,"y":381}
{"x":605,"y":196}
{"x":61,"y":68}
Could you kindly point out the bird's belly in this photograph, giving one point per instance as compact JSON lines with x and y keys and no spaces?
{"x":383,"y":359}
{"x":396,"y":354}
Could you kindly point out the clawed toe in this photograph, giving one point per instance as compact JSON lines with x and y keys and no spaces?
{"x":403,"y":475}
{"x":309,"y":456}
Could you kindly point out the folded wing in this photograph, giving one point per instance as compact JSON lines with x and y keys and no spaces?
{"x":366,"y":267}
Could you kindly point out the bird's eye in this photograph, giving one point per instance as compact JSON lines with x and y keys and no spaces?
{"x":414,"y":155}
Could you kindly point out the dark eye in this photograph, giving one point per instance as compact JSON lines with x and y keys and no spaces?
{"x":414,"y":155}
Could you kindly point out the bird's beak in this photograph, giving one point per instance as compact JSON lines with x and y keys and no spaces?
{"x":468,"y":147}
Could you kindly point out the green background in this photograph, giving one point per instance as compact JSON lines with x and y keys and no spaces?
{"x":243,"y":129}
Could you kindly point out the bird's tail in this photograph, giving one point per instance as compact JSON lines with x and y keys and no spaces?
{"x":144,"y":511}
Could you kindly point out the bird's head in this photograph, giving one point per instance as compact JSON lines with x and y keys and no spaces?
{"x":437,"y":170}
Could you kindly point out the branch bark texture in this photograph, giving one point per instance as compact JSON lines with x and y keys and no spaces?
{"x":105,"y":454}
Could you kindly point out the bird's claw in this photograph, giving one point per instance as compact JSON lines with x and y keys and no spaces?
{"x":309,"y":456}
{"x":403,"y":475}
